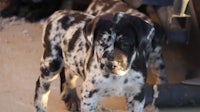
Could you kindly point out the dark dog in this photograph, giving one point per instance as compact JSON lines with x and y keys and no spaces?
{"x":31,"y":10}
{"x":35,"y":10}
{"x":108,"y":52}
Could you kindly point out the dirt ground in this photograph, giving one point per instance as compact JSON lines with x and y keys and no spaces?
{"x":20,"y":52}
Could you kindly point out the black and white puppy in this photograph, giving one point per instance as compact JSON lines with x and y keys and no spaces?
{"x":152,"y":55}
{"x":104,"y":51}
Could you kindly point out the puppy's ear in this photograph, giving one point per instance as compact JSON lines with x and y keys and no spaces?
{"x":144,"y":31}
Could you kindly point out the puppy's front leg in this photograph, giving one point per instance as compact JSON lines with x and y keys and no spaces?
{"x":89,"y":97}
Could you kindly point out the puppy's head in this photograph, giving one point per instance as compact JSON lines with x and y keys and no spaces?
{"x":118,"y":38}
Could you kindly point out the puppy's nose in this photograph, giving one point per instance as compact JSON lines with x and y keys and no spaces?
{"x":111,"y":66}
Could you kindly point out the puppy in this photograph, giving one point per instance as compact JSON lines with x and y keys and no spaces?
{"x":108,"y":52}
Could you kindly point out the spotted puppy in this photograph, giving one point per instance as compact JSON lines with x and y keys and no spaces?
{"x":108,"y":52}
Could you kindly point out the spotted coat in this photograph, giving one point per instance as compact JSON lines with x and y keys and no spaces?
{"x":102,"y":50}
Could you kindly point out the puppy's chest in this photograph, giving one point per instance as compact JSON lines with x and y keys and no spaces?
{"x":132,"y":82}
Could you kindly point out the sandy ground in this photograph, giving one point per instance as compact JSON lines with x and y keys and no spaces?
{"x":20,"y":52}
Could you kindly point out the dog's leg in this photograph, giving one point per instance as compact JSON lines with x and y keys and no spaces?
{"x":51,"y":64}
{"x":69,"y":91}
{"x":135,"y":103}
{"x":89,"y":97}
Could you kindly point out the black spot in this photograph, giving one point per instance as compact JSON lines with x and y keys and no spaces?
{"x":80,"y":49}
{"x":46,"y":86}
{"x":55,"y":65}
{"x":130,"y":102}
{"x":36,"y":89}
{"x":140,"y":96}
{"x":37,"y":108}
{"x":74,"y":57}
{"x":80,"y":44}
{"x":44,"y":71}
{"x":65,"y":42}
{"x":105,"y":54}
{"x":162,"y":66}
{"x":92,"y":92}
{"x":47,"y":44}
{"x":78,"y":71}
{"x":58,"y":49}
{"x":105,"y":91}
{"x":83,"y":75}
{"x":73,"y":40}
{"x":137,"y":77}
{"x":93,"y":81}
{"x":62,"y":79}
{"x":106,"y":76}
{"x":85,"y":103}
{"x":125,"y":81}
{"x":65,"y":22}
{"x":102,"y":65}
{"x":87,"y":46}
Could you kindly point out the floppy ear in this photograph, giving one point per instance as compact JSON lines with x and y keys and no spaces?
{"x":144,"y":32}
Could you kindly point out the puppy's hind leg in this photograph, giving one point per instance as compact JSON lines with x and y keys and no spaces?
{"x":50,"y":66}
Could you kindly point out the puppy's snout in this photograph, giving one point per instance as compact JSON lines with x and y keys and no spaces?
{"x":112,"y":66}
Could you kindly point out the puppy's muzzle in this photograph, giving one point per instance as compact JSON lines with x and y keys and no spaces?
{"x":117,"y":62}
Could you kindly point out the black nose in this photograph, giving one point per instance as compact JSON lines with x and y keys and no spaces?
{"x":111,"y":66}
